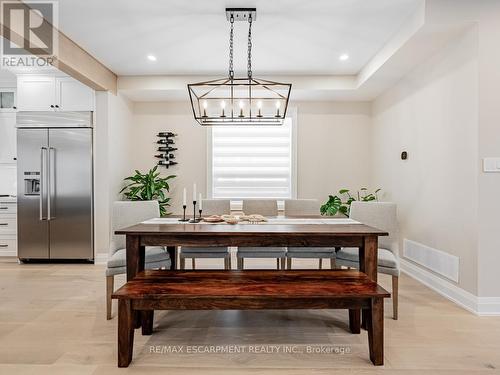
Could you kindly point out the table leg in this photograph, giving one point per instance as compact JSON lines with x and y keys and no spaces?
{"x":147,"y":318}
{"x":375,"y":323}
{"x":135,"y":263}
{"x":125,"y":332}
{"x":173,"y":257}
{"x":135,"y":256}
{"x":355,"y":320}
{"x":368,"y":256}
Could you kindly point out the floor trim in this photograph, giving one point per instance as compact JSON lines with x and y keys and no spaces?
{"x":482,"y":306}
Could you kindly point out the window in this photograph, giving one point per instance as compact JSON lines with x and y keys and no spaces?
{"x":252,"y":161}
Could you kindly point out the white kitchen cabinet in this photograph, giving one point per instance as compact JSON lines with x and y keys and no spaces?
{"x":73,"y":95}
{"x":8,"y":139}
{"x":53,"y":93}
{"x":36,"y":93}
{"x":8,"y":228}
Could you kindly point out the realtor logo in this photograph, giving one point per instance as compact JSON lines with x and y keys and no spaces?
{"x":29,"y":34}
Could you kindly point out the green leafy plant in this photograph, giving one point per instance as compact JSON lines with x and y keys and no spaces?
{"x":148,"y":186}
{"x":342,"y":203}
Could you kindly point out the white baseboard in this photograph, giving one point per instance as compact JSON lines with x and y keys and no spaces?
{"x":100,"y":258}
{"x":483,"y":306}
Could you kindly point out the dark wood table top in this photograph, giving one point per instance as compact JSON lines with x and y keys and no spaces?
{"x":159,"y":284}
{"x":256,"y":229}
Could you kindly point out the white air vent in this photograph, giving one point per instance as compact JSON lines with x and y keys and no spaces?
{"x":436,"y":260}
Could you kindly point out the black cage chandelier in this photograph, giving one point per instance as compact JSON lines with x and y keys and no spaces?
{"x":239,"y":101}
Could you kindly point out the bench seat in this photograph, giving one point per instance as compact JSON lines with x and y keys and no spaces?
{"x":243,"y":290}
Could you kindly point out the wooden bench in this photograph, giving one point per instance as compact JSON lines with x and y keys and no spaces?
{"x":247,"y":290}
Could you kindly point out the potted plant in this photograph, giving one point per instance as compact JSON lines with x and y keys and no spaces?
{"x":342,"y":204}
{"x":149,"y":186}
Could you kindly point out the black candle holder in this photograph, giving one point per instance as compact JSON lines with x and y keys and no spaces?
{"x":194,"y":219}
{"x":184,"y":214}
{"x":199,"y":211}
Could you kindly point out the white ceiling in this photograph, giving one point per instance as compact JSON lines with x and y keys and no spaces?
{"x":191,"y":37}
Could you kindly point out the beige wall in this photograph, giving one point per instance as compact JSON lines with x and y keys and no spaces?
{"x":113,"y":143}
{"x":333,"y":147}
{"x":326,"y":135}
{"x":433,"y":114}
{"x":489,"y":146}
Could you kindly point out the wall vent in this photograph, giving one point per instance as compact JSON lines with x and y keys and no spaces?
{"x":437,"y":261}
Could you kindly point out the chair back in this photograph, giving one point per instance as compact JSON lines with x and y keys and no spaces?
{"x":265,"y":207}
{"x":296,"y":207}
{"x":127,"y":213}
{"x":380,"y":215}
{"x":216,"y":207}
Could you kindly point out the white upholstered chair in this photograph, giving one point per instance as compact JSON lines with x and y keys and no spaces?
{"x":380,"y":215}
{"x":304,"y":207}
{"x":127,"y":213}
{"x":265,"y":207}
{"x":210,"y":207}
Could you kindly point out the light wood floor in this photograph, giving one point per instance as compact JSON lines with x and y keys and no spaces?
{"x":52,"y":321}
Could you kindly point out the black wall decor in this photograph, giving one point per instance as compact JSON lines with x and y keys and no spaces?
{"x":166,"y":149}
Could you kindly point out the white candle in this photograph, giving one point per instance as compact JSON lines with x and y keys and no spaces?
{"x":184,"y":197}
{"x":194,"y":192}
{"x":200,"y":203}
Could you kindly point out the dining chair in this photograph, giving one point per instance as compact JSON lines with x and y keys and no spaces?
{"x":210,"y":207}
{"x":381,"y":215}
{"x":264,"y":207}
{"x":125,"y":214}
{"x":307,"y":207}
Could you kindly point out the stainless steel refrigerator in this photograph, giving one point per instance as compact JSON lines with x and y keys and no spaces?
{"x":55,"y":185}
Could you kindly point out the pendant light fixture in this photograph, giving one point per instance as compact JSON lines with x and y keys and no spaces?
{"x":239,"y":101}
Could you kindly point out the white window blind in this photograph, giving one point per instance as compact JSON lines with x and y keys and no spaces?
{"x":252,"y":161}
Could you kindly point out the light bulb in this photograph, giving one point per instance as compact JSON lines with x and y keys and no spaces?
{"x":205,"y":105}
{"x":223,"y":105}
{"x":241,"y":109}
{"x":278,"y":105}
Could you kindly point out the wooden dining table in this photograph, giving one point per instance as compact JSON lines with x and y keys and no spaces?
{"x":283,"y":232}
{"x":311,"y":231}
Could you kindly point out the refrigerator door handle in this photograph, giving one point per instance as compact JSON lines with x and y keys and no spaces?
{"x":52,"y":183}
{"x":42,"y":183}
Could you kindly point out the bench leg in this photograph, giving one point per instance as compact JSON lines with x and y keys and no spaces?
{"x":125,"y":332}
{"x":288,"y":263}
{"x":355,"y":320}
{"x":375,"y":324}
{"x":147,"y":322}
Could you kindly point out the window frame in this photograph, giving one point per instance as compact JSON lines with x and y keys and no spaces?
{"x":236,"y":204}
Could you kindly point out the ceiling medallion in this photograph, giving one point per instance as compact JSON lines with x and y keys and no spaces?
{"x":239,"y":101}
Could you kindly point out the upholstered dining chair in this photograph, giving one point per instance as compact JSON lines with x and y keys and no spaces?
{"x":265,"y":207}
{"x":210,"y":207}
{"x":381,"y":215}
{"x":127,"y":213}
{"x":304,"y":207}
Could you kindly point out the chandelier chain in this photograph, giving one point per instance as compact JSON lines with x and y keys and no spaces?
{"x":231,"y":69}
{"x":249,"y":64}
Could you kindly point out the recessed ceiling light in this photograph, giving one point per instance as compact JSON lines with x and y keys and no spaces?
{"x":151,"y":58}
{"x":344,"y":57}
